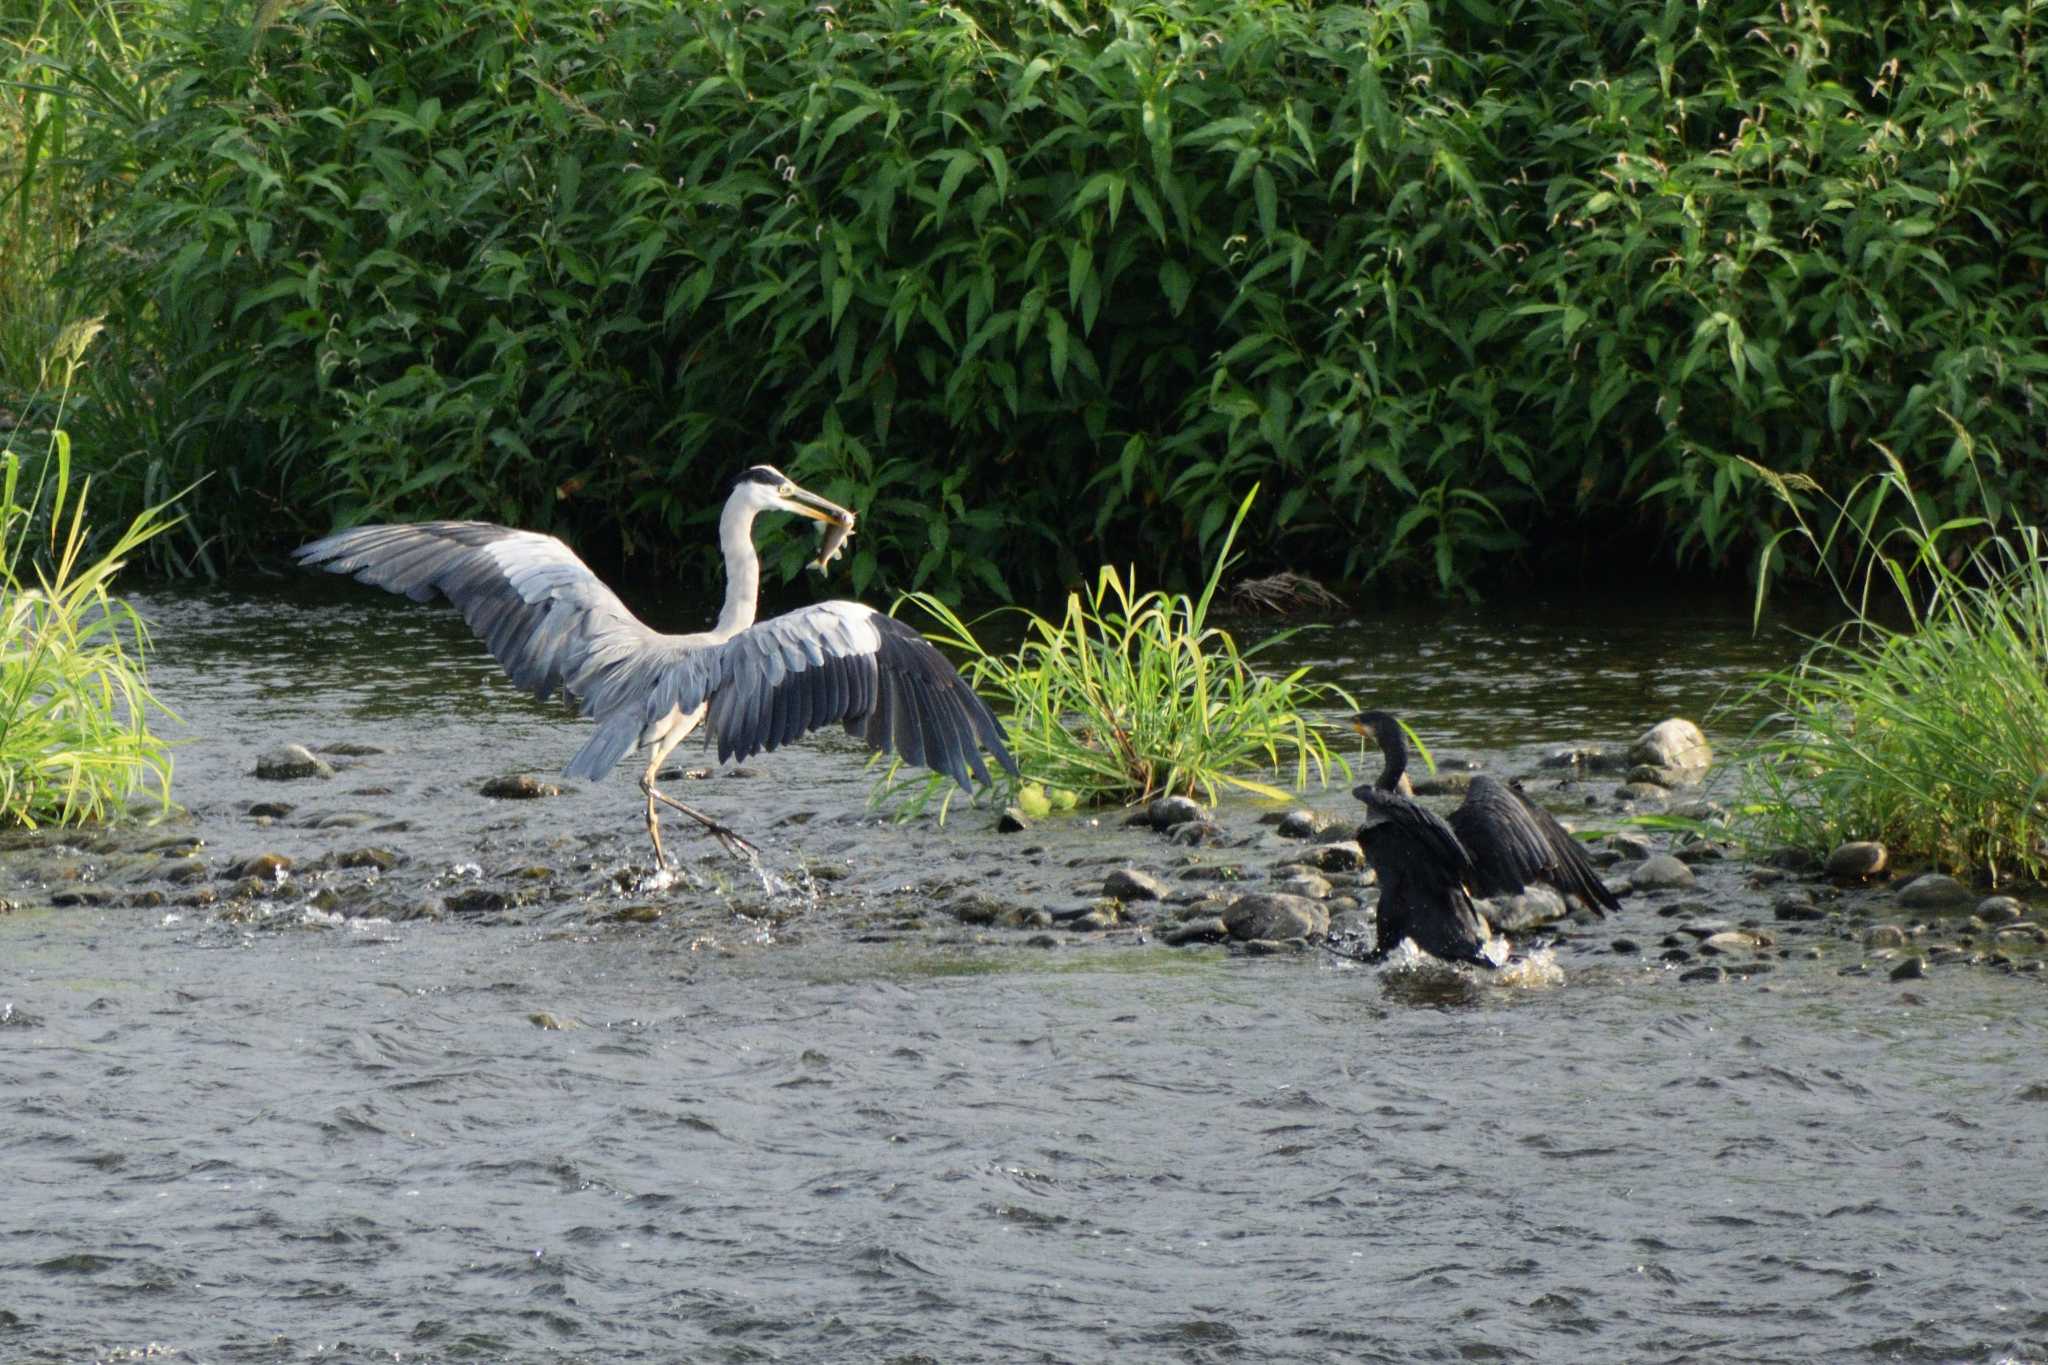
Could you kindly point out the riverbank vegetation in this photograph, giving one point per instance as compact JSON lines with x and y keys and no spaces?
{"x":1132,"y":694}
{"x":75,"y":704}
{"x":1923,"y":722}
{"x":1040,"y":287}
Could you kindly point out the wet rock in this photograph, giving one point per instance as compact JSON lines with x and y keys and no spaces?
{"x":271,"y":810}
{"x":1592,"y":758}
{"x":1935,"y":891}
{"x":1625,"y":946}
{"x":1441,"y":783}
{"x":1213,"y":872}
{"x":1270,"y":916}
{"x":350,"y":749}
{"x":1303,"y":823}
{"x":1630,"y":845}
{"x":1676,"y":744}
{"x":1884,"y":936}
{"x":1858,"y":861}
{"x":1535,"y":906}
{"x":289,"y":762}
{"x":183,"y":873}
{"x":1090,"y":921}
{"x":978,"y":908}
{"x":1168,"y":811}
{"x":543,"y":1019}
{"x":1640,"y":791}
{"x":518,"y":787}
{"x":1129,"y":884}
{"x":345,"y":819}
{"x":635,"y":914}
{"x":1706,"y":812}
{"x":1796,"y":909}
{"x":1730,"y":941}
{"x":1342,"y":855}
{"x":1195,"y":833}
{"x":477,"y":900}
{"x":1912,"y":969}
{"x":1205,"y":929}
{"x":828,"y":872}
{"x":1013,"y":820}
{"x":1660,"y":871}
{"x":266,"y":867}
{"x":1305,"y":884}
{"x":1650,"y":775}
{"x":1708,"y":974}
{"x":141,"y":900}
{"x":381,"y":859}
{"x":1999,"y":910}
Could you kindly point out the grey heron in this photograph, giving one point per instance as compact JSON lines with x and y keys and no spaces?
{"x":555,"y":626}
{"x":1496,"y":843}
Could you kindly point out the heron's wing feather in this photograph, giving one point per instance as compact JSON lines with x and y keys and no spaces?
{"x":1514,"y":842}
{"x":843,"y":663}
{"x":539,"y":609}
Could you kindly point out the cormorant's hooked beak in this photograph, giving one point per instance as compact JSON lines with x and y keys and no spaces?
{"x":1359,"y":726}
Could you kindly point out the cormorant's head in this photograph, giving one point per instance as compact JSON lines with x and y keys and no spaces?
{"x":1377,"y":725}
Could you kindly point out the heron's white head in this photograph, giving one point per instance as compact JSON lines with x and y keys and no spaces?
{"x":764,"y":488}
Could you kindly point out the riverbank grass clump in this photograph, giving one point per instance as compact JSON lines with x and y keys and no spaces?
{"x":75,"y":742}
{"x":1132,"y":694}
{"x":1922,"y":722}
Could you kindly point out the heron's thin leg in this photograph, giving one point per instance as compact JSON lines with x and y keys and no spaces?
{"x":679,"y":729}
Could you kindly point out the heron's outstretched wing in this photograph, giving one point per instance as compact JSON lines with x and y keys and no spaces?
{"x":829,"y":663}
{"x":538,"y":608}
{"x":1423,"y":871}
{"x":1513,"y":842}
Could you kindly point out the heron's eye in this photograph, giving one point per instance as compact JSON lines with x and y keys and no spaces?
{"x":787,"y":490}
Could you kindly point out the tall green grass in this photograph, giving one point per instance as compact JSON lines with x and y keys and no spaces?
{"x":1131,"y":694}
{"x":75,"y":703}
{"x":1922,"y":722}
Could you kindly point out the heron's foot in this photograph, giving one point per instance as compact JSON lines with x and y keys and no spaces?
{"x":730,"y":839}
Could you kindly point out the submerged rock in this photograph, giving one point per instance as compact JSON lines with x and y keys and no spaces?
{"x":1342,"y":855}
{"x":289,"y":762}
{"x":1194,"y":833}
{"x":1534,"y":906}
{"x":266,"y":867}
{"x":1202,"y":929}
{"x":1303,"y":823}
{"x":1884,"y":936}
{"x":1912,"y":969}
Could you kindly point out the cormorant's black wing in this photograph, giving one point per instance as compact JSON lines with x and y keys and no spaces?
{"x":1423,"y":871}
{"x":1513,"y":842}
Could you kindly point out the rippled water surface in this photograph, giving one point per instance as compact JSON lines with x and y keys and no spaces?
{"x":827,"y":1122}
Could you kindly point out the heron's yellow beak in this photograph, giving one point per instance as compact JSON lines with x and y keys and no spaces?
{"x":805,"y":503}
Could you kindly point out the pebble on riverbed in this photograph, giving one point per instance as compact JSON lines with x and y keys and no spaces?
{"x":1275,"y":916}
{"x":1935,"y":891}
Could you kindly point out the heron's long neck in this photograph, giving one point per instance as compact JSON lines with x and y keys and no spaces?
{"x":1396,"y":750}
{"x":742,"y":569}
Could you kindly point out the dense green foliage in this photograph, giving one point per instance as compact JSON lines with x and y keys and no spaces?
{"x":1449,"y":278}
{"x":75,"y":741}
{"x":1130,"y":695}
{"x":1923,"y":722}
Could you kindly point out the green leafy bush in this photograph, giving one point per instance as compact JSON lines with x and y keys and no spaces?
{"x":1130,"y":695}
{"x":1923,"y":722}
{"x":1031,"y":282}
{"x":75,"y":742}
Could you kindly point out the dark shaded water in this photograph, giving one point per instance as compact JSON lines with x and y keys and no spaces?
{"x":841,"y":1127}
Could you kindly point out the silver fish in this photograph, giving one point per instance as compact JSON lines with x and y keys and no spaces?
{"x":836,"y":536}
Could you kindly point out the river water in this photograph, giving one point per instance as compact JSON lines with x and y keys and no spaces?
{"x":584,"y":1120}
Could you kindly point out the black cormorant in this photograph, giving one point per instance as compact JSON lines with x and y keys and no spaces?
{"x":1497,"y":843}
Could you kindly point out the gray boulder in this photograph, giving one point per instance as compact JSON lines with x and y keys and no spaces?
{"x":1935,"y":891}
{"x":289,"y":762}
{"x":1674,"y":744}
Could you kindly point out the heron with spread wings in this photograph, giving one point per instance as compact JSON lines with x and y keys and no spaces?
{"x":1496,"y":843}
{"x":555,"y":627}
